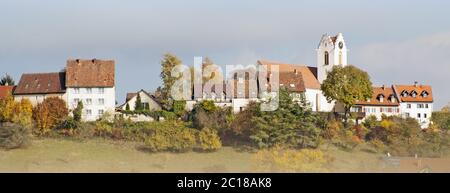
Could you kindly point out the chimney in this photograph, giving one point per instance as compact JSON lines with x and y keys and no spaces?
{"x":6,"y":84}
{"x":93,"y":60}
{"x":384,"y":87}
{"x":295,"y":71}
{"x":416,"y":83}
{"x":77,"y":60}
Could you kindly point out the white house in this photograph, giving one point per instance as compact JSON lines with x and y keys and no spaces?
{"x":148,"y":101}
{"x":93,"y":83}
{"x":416,"y":101}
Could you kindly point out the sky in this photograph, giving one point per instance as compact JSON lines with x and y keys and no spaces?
{"x":396,"y":42}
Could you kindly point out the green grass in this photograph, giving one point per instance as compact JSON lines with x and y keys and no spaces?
{"x":99,"y":155}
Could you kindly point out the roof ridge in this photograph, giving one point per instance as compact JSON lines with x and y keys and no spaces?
{"x":38,"y":73}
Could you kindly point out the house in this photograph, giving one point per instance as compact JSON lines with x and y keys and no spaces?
{"x":38,"y":86}
{"x":416,"y":101}
{"x":6,"y":91}
{"x":384,"y":101}
{"x":89,"y":81}
{"x":301,"y":81}
{"x":93,"y":83}
{"x":148,"y":101}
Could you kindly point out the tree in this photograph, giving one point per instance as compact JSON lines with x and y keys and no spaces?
{"x":127,"y":107}
{"x":446,"y":108}
{"x":138,"y":104}
{"x":7,"y":108}
{"x":7,"y":80}
{"x":22,"y":113}
{"x":78,"y":111}
{"x":50,"y":113}
{"x":346,"y":85}
{"x":168,"y":63}
{"x":293,"y":124}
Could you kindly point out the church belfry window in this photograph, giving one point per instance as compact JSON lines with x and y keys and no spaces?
{"x":327,"y":58}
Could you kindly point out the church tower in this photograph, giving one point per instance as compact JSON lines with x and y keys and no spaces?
{"x":330,"y":52}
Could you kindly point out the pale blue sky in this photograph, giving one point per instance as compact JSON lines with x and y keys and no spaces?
{"x":395,"y":41}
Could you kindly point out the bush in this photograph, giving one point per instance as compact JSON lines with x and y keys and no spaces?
{"x":378,"y":145}
{"x":177,"y":139}
{"x":209,"y":140}
{"x":441,"y":120}
{"x":332,"y":129}
{"x":13,"y":136}
{"x":278,"y":159}
{"x":48,"y":114}
{"x":179,"y":108}
{"x":106,"y":129}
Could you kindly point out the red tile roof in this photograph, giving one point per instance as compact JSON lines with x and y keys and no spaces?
{"x":41,"y":83}
{"x":419,"y":89}
{"x":296,"y":78}
{"x":5,"y":91}
{"x":389,"y":97}
{"x":90,"y":73}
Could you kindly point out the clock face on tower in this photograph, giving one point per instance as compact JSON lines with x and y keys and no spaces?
{"x":341,"y":45}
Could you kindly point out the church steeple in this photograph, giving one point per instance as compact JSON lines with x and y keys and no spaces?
{"x":331,"y":51}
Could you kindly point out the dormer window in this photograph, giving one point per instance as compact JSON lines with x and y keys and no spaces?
{"x":424,"y":94}
{"x":380,"y":98}
{"x":414,"y":93}
{"x":392,"y":99}
{"x":404,"y":93}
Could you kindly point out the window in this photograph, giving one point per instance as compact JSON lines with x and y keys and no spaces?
{"x":408,"y":106}
{"x":425,"y":115}
{"x":76,"y":90}
{"x":89,"y":90}
{"x":101,"y":101}
{"x":88,"y":112}
{"x":418,"y":115}
{"x":146,"y":106}
{"x":407,"y":115}
{"x":327,"y":58}
{"x":88,"y":101}
{"x":101,"y":90}
{"x":100,"y":112}
{"x":340,"y":58}
{"x":414,"y":93}
{"x":75,"y":101}
{"x":426,"y":106}
{"x":424,"y":94}
{"x":380,"y":98}
{"x":420,"y":106}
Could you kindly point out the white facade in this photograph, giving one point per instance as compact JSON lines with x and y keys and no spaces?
{"x":419,"y":110}
{"x":38,"y":98}
{"x":377,"y":111}
{"x":317,"y":101}
{"x":96,"y":101}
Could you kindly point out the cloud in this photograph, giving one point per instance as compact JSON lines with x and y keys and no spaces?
{"x":424,"y":59}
